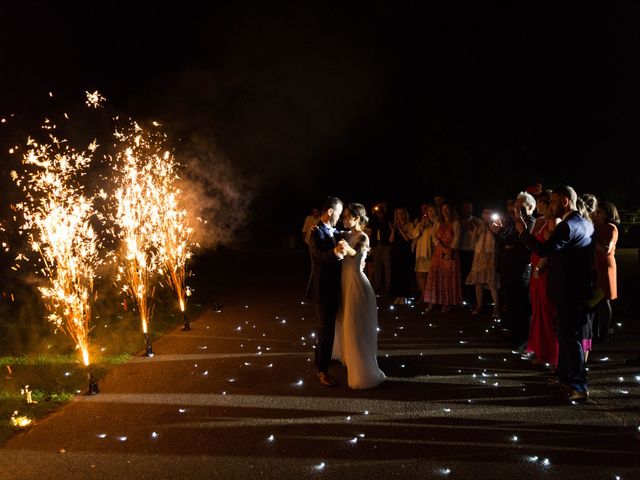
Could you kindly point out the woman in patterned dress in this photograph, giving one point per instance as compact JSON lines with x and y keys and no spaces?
{"x":483,"y":272}
{"x":443,"y":283}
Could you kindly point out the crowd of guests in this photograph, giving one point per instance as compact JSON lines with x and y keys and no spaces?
{"x":548,"y":262}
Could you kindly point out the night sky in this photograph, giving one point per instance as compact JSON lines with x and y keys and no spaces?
{"x":366,"y":100}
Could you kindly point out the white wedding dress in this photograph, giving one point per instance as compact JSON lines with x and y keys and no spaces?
{"x":356,"y":339}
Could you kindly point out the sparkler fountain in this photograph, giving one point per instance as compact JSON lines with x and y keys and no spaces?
{"x":58,"y":223}
{"x":154,"y":225}
{"x":139,"y":210}
{"x":174,"y":235}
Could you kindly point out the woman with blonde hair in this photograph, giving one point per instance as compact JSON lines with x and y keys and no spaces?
{"x":401,"y":262}
{"x":485,"y":262}
{"x":424,"y":245}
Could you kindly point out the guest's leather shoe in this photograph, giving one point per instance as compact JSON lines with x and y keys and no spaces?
{"x":326,"y":380}
{"x":578,"y":396}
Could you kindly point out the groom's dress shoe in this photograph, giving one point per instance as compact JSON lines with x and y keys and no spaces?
{"x":578,"y":396}
{"x":326,"y":380}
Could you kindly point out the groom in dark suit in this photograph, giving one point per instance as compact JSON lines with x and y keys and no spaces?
{"x":570,"y":251}
{"x":327,"y":252}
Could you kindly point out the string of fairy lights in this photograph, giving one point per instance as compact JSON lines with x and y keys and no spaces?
{"x":143,"y":210}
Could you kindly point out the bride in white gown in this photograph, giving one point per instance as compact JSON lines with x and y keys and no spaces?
{"x":356,"y":339}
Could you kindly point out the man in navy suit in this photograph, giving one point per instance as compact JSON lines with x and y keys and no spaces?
{"x":327,"y":251}
{"x":570,"y":252}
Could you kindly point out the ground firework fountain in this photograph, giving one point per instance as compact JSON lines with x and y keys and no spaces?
{"x":58,"y":218}
{"x":174,"y":233}
{"x":138,"y":215}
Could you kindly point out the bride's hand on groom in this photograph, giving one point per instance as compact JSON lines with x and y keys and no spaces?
{"x":345,"y":249}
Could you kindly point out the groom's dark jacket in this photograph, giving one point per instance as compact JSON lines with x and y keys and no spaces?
{"x":570,"y":252}
{"x":326,"y":267}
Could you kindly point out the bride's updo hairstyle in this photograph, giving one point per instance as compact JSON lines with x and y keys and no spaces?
{"x":357,"y":210}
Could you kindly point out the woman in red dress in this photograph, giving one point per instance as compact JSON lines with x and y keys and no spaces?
{"x":606,"y":235}
{"x":542,"y":346}
{"x":444,"y":285}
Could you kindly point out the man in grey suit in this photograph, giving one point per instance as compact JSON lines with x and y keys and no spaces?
{"x":570,"y":251}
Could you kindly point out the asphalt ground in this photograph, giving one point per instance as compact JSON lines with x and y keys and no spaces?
{"x":237,"y":398}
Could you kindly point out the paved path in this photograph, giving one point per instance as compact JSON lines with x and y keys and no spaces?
{"x":236,"y":397}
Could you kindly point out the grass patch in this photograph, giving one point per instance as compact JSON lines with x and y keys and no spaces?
{"x":50,"y":359}
{"x":53,"y":380}
{"x":12,"y":403}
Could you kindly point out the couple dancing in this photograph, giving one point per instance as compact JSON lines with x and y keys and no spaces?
{"x":345,"y":302}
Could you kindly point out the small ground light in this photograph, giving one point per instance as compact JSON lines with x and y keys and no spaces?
{"x":154,"y":435}
{"x":445,"y":471}
{"x":182,"y":410}
{"x":546,"y":462}
{"x":320,"y":466}
{"x":122,"y":438}
{"x":102,"y":435}
{"x":353,"y":441}
{"x":514,"y":438}
{"x":270,"y":438}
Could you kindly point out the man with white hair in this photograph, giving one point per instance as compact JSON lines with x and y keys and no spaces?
{"x":514,"y":266}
